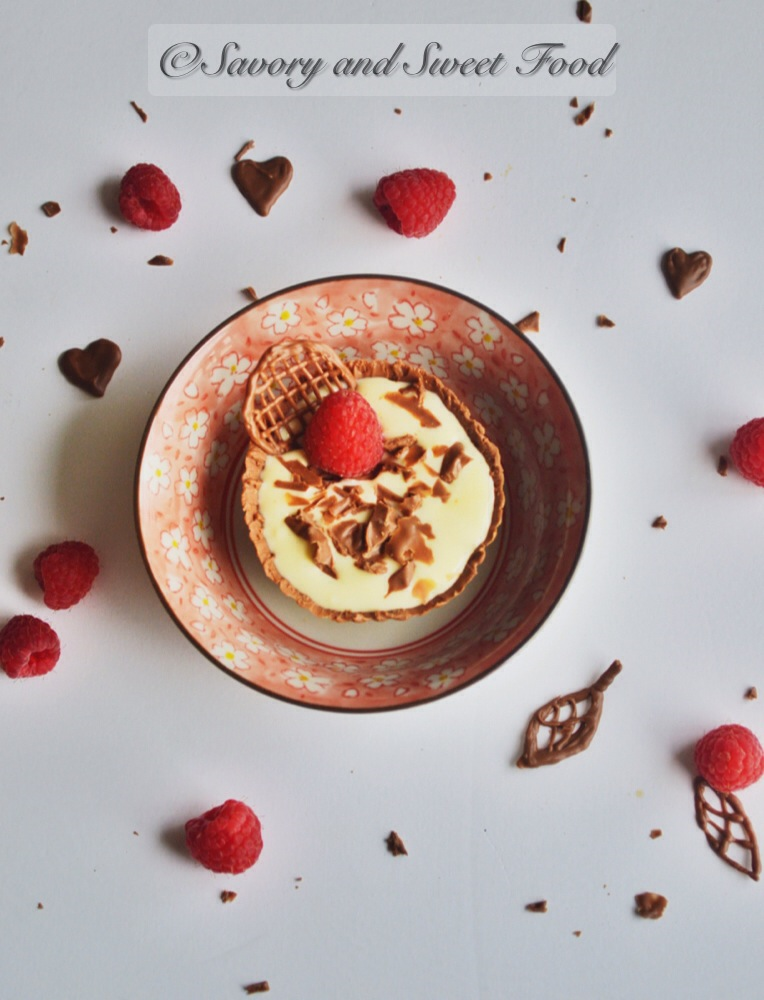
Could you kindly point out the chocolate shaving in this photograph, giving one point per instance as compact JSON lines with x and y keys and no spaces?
{"x":529,"y":323}
{"x":40,"y":906}
{"x":139,"y":111}
{"x":650,"y":905}
{"x":603,"y":320}
{"x":250,"y":292}
{"x":19,"y":239}
{"x":569,"y":732}
{"x":453,"y":462}
{"x":660,"y":522}
{"x":561,"y":244}
{"x":398,"y":111}
{"x":574,"y":102}
{"x":751,"y":694}
{"x":726,"y":826}
{"x":684,"y":272}
{"x":541,"y":906}
{"x":301,"y":473}
{"x":608,"y":132}
{"x":227,"y":896}
{"x":50,"y":208}
{"x":250,"y":144}
{"x":395,"y":845}
{"x":161,"y":261}
{"x":584,"y":11}
{"x":407,"y":542}
{"x":722,"y":465}
{"x":262,"y":987}
{"x":487,"y":176}
{"x":654,"y":834}
{"x":583,"y":116}
{"x":318,"y":543}
{"x":414,"y":407}
{"x":400,"y":579}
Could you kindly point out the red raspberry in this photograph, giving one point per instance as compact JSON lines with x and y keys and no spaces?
{"x":148,"y":198}
{"x":226,"y":838}
{"x":729,"y":758}
{"x":66,"y":572}
{"x":414,"y":202}
{"x":344,"y":438}
{"x":747,"y":450}
{"x":28,"y":647}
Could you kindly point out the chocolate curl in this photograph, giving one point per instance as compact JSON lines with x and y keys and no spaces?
{"x":572,"y":733}
{"x":727,"y":826}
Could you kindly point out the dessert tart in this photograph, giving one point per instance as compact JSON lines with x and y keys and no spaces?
{"x":399,"y":542}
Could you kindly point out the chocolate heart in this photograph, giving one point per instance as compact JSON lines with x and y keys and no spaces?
{"x":684,"y":272}
{"x":262,"y":184}
{"x":91,"y":369}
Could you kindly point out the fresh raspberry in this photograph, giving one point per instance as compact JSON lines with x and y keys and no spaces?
{"x":747,"y":450}
{"x":729,"y":758}
{"x":28,"y":647}
{"x":344,"y":438}
{"x":226,"y":838}
{"x":414,"y":202}
{"x":66,"y":572}
{"x":148,"y":198}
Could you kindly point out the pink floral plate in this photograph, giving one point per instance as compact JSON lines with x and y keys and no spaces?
{"x":195,"y":543}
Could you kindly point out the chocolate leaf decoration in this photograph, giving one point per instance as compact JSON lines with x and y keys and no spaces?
{"x":569,"y":731}
{"x":726,"y":826}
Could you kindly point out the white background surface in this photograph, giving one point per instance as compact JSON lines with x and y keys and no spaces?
{"x":136,"y":731}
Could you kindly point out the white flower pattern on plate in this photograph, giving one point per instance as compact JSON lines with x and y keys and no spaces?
{"x":344,"y":322}
{"x":217,"y":457}
{"x":444,"y":677}
{"x":281,"y":316}
{"x":234,"y":371}
{"x":469,"y":363}
{"x":568,"y":510}
{"x":203,"y":532}
{"x":195,"y":428}
{"x":426,"y":358}
{"x":187,"y":485}
{"x":548,"y":444}
{"x":157,"y":473}
{"x":211,"y":569}
{"x":175,"y":545}
{"x":414,"y":319}
{"x":515,"y":391}
{"x":236,"y":607}
{"x":489,"y":410}
{"x":206,"y":603}
{"x":301,"y":677}
{"x":384,"y":350}
{"x":228,"y":655}
{"x":483,"y":331}
{"x":233,"y":418}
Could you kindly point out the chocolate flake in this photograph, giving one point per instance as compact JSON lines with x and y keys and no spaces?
{"x":453,"y":462}
{"x":262,"y":987}
{"x":2,"y":341}
{"x":227,"y":896}
{"x":650,"y":905}
{"x":398,"y":111}
{"x":603,"y":320}
{"x":19,"y":239}
{"x":529,"y":323}
{"x":574,"y":102}
{"x":577,"y":933}
{"x":608,"y":132}
{"x":583,"y":116}
{"x":139,"y":111}
{"x":414,"y":407}
{"x":584,"y":11}
{"x":660,"y":522}
{"x":50,"y":208}
{"x":722,"y":465}
{"x":40,"y":906}
{"x":727,"y":826}
{"x":318,"y":542}
{"x":654,"y":834}
{"x":487,"y":176}
{"x":569,"y":732}
{"x":250,"y":292}
{"x":113,"y":229}
{"x":561,"y":244}
{"x":249,"y":144}
{"x":161,"y":261}
{"x":751,"y":694}
{"x":395,"y":845}
{"x":684,"y":272}
{"x":540,"y":906}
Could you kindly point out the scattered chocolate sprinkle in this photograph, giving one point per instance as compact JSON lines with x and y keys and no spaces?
{"x":583,"y":116}
{"x":50,"y":208}
{"x":227,"y":896}
{"x":395,"y":845}
{"x":250,"y":144}
{"x":603,"y":320}
{"x":541,"y":906}
{"x":660,"y":522}
{"x":608,"y":132}
{"x":19,"y":239}
{"x":684,"y":272}
{"x":529,"y":323}
{"x":249,"y":290}
{"x":113,"y":229}
{"x":40,"y":906}
{"x":561,"y":244}
{"x":574,"y":102}
{"x":654,"y":834}
{"x":139,"y":111}
{"x":722,"y":465}
{"x":650,"y":905}
{"x":398,"y":111}
{"x":569,"y":733}
{"x":726,"y":825}
{"x":487,"y":176}
{"x":751,"y":694}
{"x":262,"y":987}
{"x":135,"y":833}
{"x":584,"y":11}
{"x":161,"y":261}
{"x":572,"y":199}
{"x":576,"y":933}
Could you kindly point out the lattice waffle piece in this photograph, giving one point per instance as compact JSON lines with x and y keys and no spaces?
{"x":286,"y":388}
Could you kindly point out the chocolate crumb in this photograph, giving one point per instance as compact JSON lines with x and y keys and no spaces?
{"x":113,"y":229}
{"x":722,"y":465}
{"x":50,"y":208}
{"x":529,"y":323}
{"x":161,"y":261}
{"x":561,"y":244}
{"x":650,"y":905}
{"x":608,"y":132}
{"x":660,"y":522}
{"x":395,"y":845}
{"x":487,"y":176}
{"x":250,"y":292}
{"x":250,"y":144}
{"x":584,"y":11}
{"x":262,"y":987}
{"x":398,"y":111}
{"x":19,"y":239}
{"x":135,"y":833}
{"x":751,"y":694}
{"x":574,"y":102}
{"x":2,"y":341}
{"x":139,"y":111}
{"x":654,"y":834}
{"x":541,"y":906}
{"x":4,"y":243}
{"x":583,"y":116}
{"x":40,"y":906}
{"x":603,"y":320}
{"x":576,"y":933}
{"x":572,"y":199}
{"x":227,"y":896}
